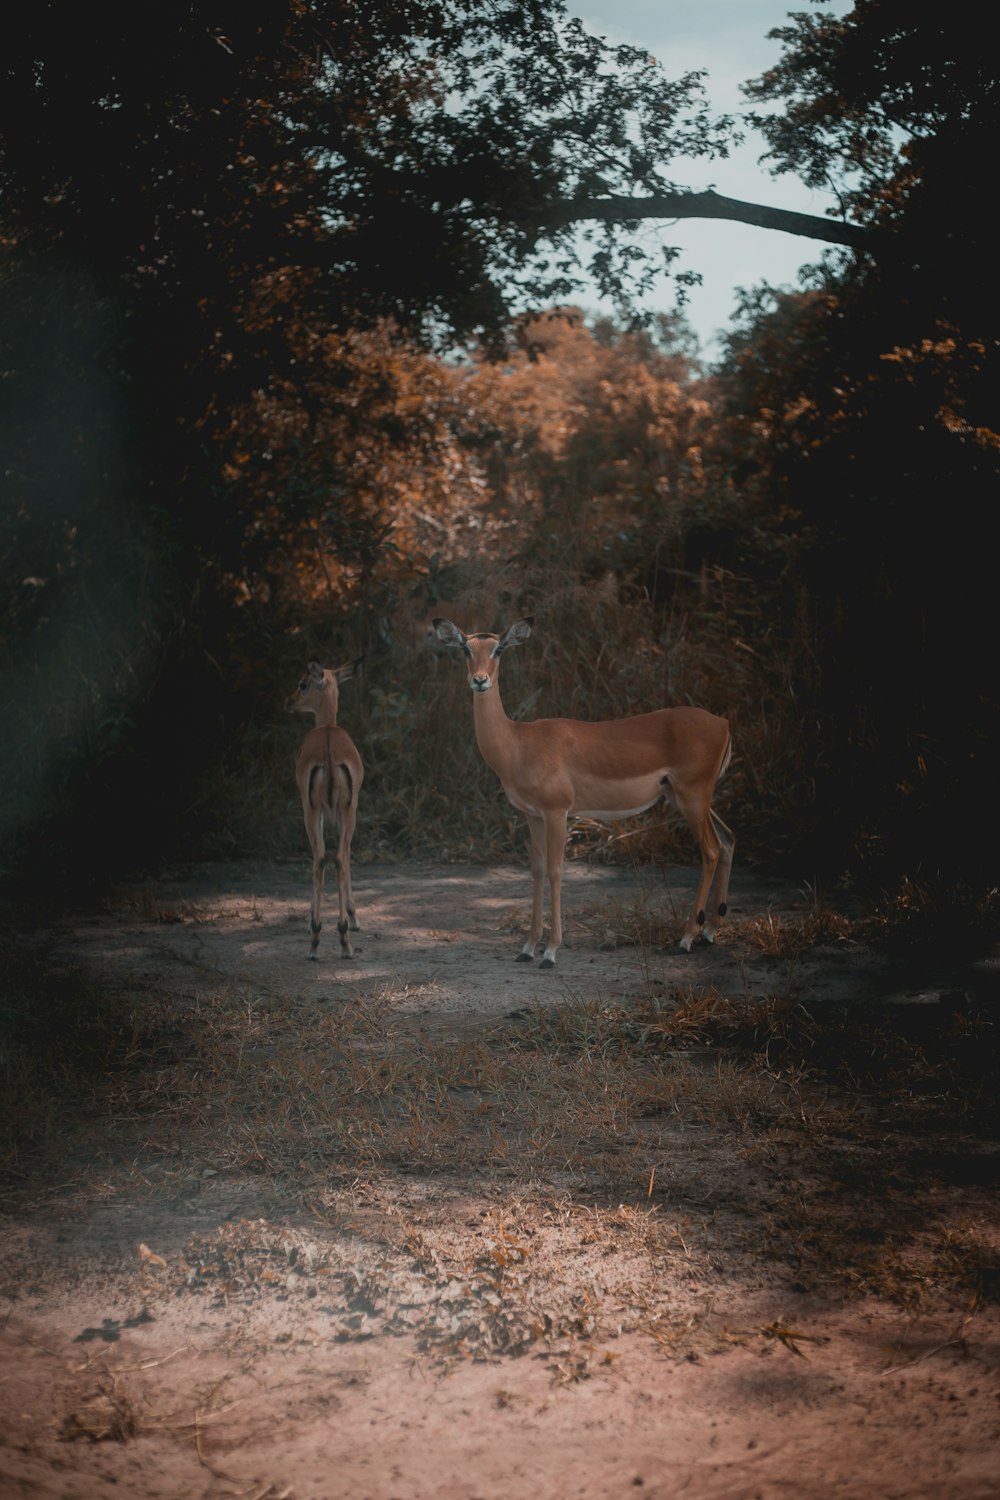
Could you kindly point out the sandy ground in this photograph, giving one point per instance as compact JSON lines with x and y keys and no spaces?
{"x":411,"y":1338}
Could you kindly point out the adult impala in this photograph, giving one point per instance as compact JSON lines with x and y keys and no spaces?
{"x":329,"y":773}
{"x":608,"y":770}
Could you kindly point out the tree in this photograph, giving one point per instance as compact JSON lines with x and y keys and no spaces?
{"x":427,"y":160}
{"x":863,"y":420}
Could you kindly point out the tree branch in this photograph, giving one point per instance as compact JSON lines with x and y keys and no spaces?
{"x":709,"y":205}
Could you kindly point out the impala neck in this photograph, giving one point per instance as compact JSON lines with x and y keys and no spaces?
{"x":326,"y":713}
{"x":494,"y":731}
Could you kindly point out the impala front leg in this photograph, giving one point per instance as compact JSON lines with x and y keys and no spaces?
{"x":555,"y":854}
{"x":536,"y":828}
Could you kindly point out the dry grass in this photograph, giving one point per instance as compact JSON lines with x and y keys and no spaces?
{"x":813,"y":1139}
{"x":655,"y":920}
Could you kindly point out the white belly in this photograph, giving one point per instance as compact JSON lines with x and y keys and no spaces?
{"x":603,"y":803}
{"x":611,"y":801}
{"x":614,"y":814}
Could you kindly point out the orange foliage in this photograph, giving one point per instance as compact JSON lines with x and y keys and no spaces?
{"x":385,"y":466}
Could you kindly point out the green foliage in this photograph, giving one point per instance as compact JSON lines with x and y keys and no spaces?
{"x":226,"y":449}
{"x":211,"y":152}
{"x":203,"y":212}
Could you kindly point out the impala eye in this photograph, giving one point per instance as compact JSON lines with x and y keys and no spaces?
{"x":303,"y":686}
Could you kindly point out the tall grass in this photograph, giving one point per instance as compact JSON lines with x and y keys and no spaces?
{"x":598,"y":650}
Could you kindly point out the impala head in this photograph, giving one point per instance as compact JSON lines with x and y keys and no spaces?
{"x":318,"y":691}
{"x":483,"y":649}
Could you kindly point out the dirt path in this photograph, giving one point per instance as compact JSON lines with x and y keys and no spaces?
{"x":487,"y":1334}
{"x":442,"y":938}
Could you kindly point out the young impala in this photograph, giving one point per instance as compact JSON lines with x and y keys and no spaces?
{"x":329,"y":773}
{"x":550,"y":768}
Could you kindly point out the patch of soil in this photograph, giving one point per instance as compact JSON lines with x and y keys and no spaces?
{"x":492,"y":1337}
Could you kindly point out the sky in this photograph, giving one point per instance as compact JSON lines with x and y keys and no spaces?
{"x":729,"y":39}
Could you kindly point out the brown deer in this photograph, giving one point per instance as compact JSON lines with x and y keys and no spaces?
{"x":611,"y":769}
{"x":329,"y":772}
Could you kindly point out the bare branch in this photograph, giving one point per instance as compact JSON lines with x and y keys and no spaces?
{"x":709,"y":205}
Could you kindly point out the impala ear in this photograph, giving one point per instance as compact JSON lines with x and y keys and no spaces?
{"x":348,"y":670}
{"x":515,"y":635}
{"x":316,"y":672}
{"x":448,"y":633}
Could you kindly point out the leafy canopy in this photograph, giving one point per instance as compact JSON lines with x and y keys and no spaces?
{"x":407,"y":155}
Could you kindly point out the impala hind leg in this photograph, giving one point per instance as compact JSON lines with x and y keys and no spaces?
{"x":536,"y":829}
{"x":725,"y":836}
{"x":348,"y":921}
{"x":699,"y":818}
{"x":314,"y":829}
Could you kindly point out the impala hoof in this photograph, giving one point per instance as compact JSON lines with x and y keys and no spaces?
{"x":685,"y":944}
{"x":524,"y":958}
{"x":547,"y":963}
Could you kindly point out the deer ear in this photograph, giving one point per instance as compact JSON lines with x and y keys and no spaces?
{"x":449,"y":633}
{"x":514,"y":635}
{"x":347,"y":671}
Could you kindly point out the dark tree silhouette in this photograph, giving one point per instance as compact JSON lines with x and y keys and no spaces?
{"x":865,"y":415}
